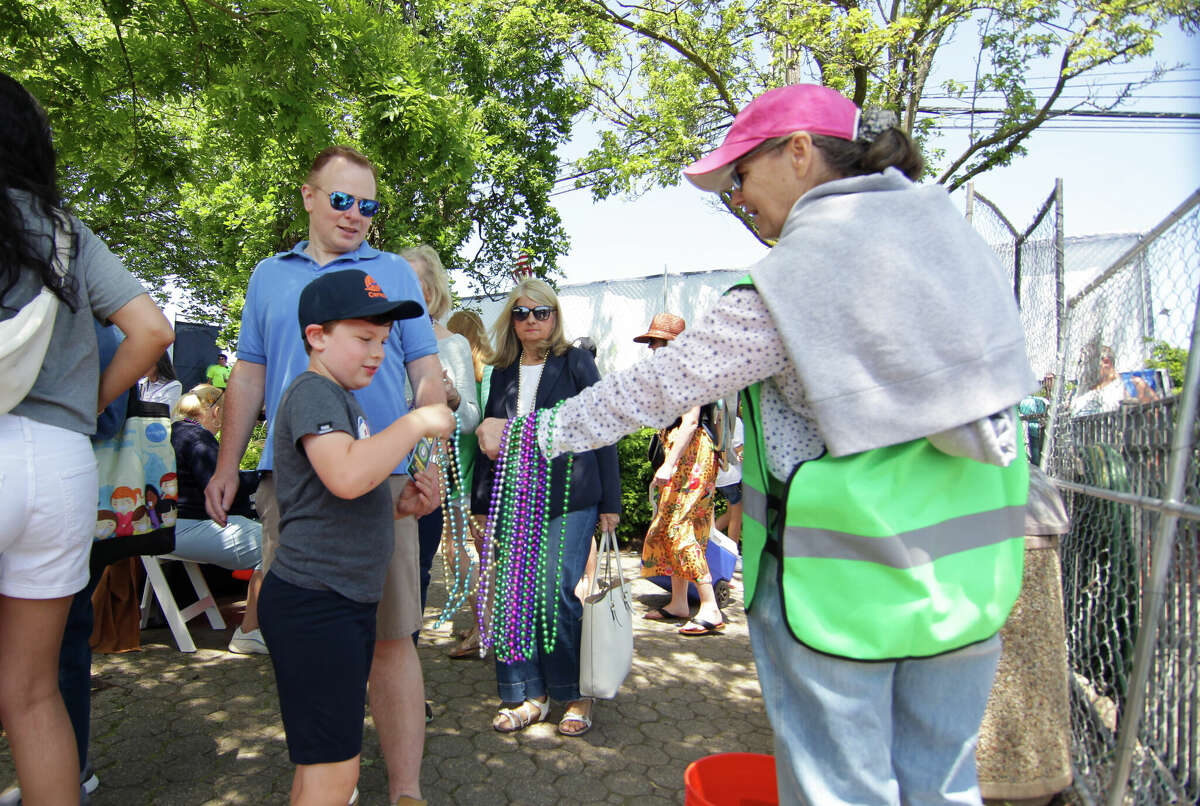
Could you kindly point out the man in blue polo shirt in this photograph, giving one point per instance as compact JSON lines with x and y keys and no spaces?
{"x":339,"y":195}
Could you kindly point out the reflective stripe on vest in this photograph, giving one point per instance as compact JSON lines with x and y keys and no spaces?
{"x":905,"y":550}
{"x":893,"y":553}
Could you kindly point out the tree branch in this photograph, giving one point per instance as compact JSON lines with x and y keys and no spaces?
{"x":1014,"y":135}
{"x":714,"y":77}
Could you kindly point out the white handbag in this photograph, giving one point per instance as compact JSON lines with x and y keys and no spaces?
{"x":25,"y":337}
{"x":606,"y":654}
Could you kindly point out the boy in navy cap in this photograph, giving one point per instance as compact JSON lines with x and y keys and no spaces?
{"x":318,"y":602}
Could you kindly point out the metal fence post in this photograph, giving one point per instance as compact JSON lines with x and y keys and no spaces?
{"x":1060,"y":264}
{"x":1060,"y":319}
{"x":1154,"y":594}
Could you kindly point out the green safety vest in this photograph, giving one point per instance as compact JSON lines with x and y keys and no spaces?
{"x":898,"y":552}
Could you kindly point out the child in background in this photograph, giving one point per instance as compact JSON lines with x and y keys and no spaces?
{"x":318,"y":601}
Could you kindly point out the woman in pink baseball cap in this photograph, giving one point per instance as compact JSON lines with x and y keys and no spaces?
{"x":880,"y":356}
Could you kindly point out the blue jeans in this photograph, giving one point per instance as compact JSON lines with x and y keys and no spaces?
{"x":865,"y":733}
{"x":556,"y":673}
{"x":429,"y":537}
{"x":75,"y":665}
{"x":235,"y":546}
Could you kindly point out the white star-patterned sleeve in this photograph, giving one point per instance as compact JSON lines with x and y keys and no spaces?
{"x":733,"y":346}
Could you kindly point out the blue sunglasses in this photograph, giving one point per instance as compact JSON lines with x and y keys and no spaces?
{"x":341,"y":201}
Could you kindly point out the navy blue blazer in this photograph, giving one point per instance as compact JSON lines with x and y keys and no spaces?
{"x":595,"y":475}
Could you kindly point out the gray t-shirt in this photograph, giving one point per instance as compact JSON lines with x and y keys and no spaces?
{"x":326,"y":542}
{"x":66,"y":389}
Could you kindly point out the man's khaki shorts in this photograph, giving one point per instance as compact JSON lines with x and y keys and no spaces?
{"x":399,"y":614}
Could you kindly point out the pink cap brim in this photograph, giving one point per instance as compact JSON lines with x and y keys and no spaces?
{"x":714,"y":172}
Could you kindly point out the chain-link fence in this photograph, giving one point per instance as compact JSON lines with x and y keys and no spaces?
{"x":1120,"y":440}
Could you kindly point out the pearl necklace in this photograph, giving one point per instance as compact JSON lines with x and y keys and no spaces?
{"x":521,"y":379}
{"x":517,"y":532}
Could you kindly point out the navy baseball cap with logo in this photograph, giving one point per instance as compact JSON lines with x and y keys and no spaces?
{"x":350,"y":294}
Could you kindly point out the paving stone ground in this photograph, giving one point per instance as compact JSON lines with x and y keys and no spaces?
{"x":175,"y":729}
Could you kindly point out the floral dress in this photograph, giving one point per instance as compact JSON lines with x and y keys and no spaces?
{"x":678,"y":536}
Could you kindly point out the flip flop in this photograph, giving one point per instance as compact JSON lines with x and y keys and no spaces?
{"x":699,"y":626}
{"x":467,"y":650}
{"x":662,"y":614}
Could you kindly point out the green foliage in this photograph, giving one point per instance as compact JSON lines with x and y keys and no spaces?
{"x":636,"y":474}
{"x":669,"y":75}
{"x":1171,"y":359}
{"x":254,"y":448}
{"x":184,"y":128}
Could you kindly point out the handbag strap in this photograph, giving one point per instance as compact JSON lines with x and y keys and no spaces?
{"x":610,"y":555}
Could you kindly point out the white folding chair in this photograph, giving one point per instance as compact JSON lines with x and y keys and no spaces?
{"x":177,"y":619}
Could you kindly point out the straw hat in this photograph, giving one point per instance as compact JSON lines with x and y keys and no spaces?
{"x":663,"y":326}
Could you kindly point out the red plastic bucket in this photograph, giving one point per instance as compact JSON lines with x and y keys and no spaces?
{"x":731,"y":779}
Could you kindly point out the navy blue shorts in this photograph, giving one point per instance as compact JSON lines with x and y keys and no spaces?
{"x":732,"y":492}
{"x":321,"y":647}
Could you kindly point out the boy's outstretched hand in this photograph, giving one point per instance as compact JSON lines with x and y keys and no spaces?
{"x":437,"y":420}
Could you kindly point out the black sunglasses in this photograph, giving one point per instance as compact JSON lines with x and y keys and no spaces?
{"x":341,"y":201}
{"x":540,"y":313}
{"x":761,"y":148}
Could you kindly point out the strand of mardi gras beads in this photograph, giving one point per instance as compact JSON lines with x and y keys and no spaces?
{"x":522,"y":548}
{"x":506,"y":629}
{"x":519,"y":533}
{"x":486,"y":558}
{"x":550,"y":632}
{"x":546,"y":599}
{"x":537,"y":550}
{"x":516,"y":550}
{"x":509,"y":543}
{"x":454,"y":529}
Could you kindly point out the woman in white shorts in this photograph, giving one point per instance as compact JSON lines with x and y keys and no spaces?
{"x":48,"y":484}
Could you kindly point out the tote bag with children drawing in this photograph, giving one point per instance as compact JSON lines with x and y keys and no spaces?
{"x":139,"y":490}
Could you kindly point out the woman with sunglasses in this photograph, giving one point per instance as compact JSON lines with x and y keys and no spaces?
{"x":881,"y":357}
{"x":535,"y":367}
{"x":238,"y":544}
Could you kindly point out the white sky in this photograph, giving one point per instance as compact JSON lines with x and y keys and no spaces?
{"x":1117,"y":177}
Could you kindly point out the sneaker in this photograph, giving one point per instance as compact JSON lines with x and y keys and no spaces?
{"x":428,"y":712}
{"x":88,"y":779}
{"x":88,"y":783}
{"x":248,"y":643}
{"x":353,"y":795}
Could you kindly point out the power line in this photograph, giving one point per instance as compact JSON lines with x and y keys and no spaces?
{"x":1074,"y":113}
